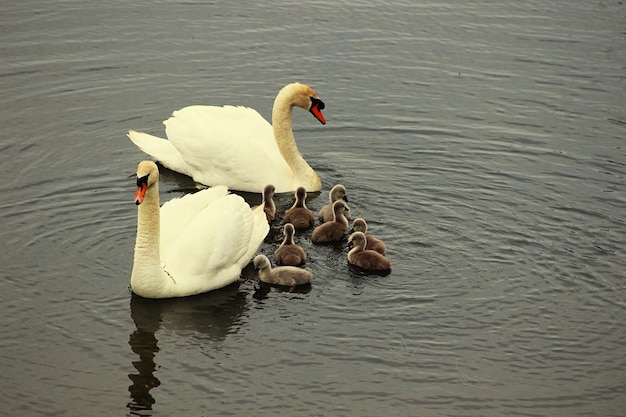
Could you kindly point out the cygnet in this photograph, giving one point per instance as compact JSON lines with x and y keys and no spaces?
{"x":332,"y":231}
{"x":363,"y":258}
{"x":338,"y":192}
{"x":281,"y":275}
{"x":299,"y":215}
{"x":289,"y":253}
{"x":373,"y":243}
{"x":267,"y":205}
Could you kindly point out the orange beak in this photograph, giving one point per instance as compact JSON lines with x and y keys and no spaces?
{"x":316,"y":109}
{"x":142,"y":187}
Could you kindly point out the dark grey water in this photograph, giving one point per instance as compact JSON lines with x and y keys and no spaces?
{"x":483,"y":141}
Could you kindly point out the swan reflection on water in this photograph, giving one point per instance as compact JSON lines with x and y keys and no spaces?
{"x":213,"y":315}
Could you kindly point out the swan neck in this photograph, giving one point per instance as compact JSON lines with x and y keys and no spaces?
{"x":147,"y":270}
{"x":283,"y":131}
{"x":286,"y":142}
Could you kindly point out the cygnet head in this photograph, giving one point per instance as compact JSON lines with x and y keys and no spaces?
{"x":357,"y":240}
{"x":359,"y":225}
{"x":268,"y":192}
{"x":262,"y":262}
{"x":300,"y":197}
{"x":338,"y":192}
{"x":289,"y":230}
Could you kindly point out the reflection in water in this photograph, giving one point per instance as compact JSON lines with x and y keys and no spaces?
{"x":263,"y":289}
{"x":144,"y":344}
{"x":213,"y":314}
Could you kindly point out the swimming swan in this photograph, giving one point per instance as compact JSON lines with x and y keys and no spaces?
{"x":236,"y":146}
{"x":281,"y":275}
{"x":364,"y":258}
{"x":193,"y":244}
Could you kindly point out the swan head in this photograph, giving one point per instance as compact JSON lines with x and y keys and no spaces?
{"x":147,"y":174}
{"x":301,"y":95}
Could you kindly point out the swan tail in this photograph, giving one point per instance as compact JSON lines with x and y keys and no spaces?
{"x":160,"y":149}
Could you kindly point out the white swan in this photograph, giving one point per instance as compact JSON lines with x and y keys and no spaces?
{"x":236,"y":146}
{"x":193,"y":244}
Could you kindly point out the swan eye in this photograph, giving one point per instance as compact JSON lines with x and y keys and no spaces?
{"x":142,"y":180}
{"x":316,"y":101}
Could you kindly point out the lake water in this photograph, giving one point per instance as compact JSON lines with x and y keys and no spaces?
{"x":483,"y":142}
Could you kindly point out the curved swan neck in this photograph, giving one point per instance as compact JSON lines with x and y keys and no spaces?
{"x":285,"y":140}
{"x":283,"y":131}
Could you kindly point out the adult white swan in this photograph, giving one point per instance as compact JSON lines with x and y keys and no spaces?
{"x":193,"y":244}
{"x":236,"y":146}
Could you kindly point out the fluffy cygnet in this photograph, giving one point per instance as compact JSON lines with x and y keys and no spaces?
{"x":299,"y":215}
{"x":338,"y":192}
{"x":281,"y":275}
{"x":289,"y":253}
{"x":332,"y":231}
{"x":373,"y":243}
{"x":363,"y":258}
{"x":268,"y":205}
